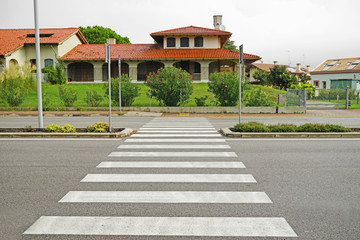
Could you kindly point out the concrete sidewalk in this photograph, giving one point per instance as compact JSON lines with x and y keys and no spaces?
{"x":310,"y":113}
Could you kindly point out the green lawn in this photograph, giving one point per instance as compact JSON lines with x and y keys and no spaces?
{"x":50,"y":93}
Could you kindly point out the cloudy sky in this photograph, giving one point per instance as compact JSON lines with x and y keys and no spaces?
{"x":289,"y":31}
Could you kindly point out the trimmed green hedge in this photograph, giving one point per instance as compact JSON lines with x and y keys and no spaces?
{"x":308,"y":127}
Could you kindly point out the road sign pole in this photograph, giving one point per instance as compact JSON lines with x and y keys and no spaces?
{"x":108,"y":60}
{"x":119,"y":61}
{"x":240,"y":77}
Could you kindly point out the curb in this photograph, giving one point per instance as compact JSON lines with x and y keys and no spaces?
{"x":228,"y":133}
{"x":124,"y":133}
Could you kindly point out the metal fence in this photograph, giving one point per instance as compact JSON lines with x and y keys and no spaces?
{"x":329,"y":98}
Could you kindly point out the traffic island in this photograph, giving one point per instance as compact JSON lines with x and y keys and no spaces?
{"x":228,"y":132}
{"x":40,"y":133}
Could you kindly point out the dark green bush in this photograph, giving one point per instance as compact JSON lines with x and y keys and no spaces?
{"x":308,"y":127}
{"x":129,"y":91}
{"x":257,"y":98}
{"x":94,"y":98}
{"x":225,"y":87}
{"x":171,"y":86}
{"x":251,"y":127}
{"x":68,"y":96}
{"x":55,"y":75}
{"x":282,"y":128}
{"x":200,"y":102}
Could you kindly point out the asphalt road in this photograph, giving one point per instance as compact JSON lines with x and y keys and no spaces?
{"x":313,"y":184}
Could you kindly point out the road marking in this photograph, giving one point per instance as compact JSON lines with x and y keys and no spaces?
{"x":163,"y":226}
{"x":172,"y":154}
{"x":152,"y":146}
{"x":171,"y":165}
{"x":178,"y":128}
{"x":177,"y":131}
{"x":178,"y":140}
{"x":176,"y":135}
{"x":184,"y":178}
{"x":164,"y":197}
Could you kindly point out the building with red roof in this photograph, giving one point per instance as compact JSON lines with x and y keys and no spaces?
{"x":17,"y":46}
{"x":195,"y":49}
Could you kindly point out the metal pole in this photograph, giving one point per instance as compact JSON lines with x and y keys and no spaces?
{"x":119,"y":60}
{"x":108,"y":60}
{"x":305,"y":99}
{"x":38,"y":65}
{"x":347,"y":99}
{"x":240,"y":77}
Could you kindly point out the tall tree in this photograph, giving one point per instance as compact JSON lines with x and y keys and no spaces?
{"x":99,"y":34}
{"x":230,"y":46}
{"x":279,"y":76}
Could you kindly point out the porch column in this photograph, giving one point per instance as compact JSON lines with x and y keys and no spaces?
{"x":133,"y":71}
{"x":168,"y":63}
{"x":98,"y":71}
{"x":205,"y":71}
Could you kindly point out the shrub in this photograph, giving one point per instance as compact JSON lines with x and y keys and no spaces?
{"x":67,"y":96}
{"x":55,"y":75}
{"x":251,"y":127}
{"x":170,"y":86}
{"x":336,"y":128}
{"x":282,"y":128}
{"x":309,"y":127}
{"x":225,"y":87}
{"x":129,"y":91}
{"x":53,"y":128}
{"x":67,"y":128}
{"x":256,"y":98}
{"x":200,"y":102}
{"x":14,"y":81}
{"x":98,"y":127}
{"x":94,"y":99}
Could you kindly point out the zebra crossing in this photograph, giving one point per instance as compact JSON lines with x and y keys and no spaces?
{"x":168,"y":143}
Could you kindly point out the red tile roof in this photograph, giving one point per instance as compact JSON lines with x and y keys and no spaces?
{"x":191,"y":30}
{"x":11,"y":39}
{"x":149,"y":52}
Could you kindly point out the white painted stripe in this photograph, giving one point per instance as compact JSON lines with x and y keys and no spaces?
{"x":163,"y":226}
{"x":171,"y":165}
{"x":179,"y":128}
{"x":177,"y":131}
{"x":192,"y":178}
{"x":164,"y":197}
{"x":178,"y":140}
{"x":177,"y":135}
{"x":172,"y":154}
{"x":173,"y":146}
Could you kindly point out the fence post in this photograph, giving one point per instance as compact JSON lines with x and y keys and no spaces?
{"x":287,"y":97}
{"x":299,"y":97}
{"x":305,"y":98}
{"x":347,"y":99}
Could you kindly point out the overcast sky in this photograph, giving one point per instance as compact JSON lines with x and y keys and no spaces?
{"x":289,"y":31}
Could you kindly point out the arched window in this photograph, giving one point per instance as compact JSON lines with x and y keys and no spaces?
{"x":199,"y":42}
{"x":170,"y":42}
{"x":49,"y":62}
{"x":184,"y":42}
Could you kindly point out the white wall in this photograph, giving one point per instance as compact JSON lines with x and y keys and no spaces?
{"x":209,"y":42}
{"x":68,"y":44}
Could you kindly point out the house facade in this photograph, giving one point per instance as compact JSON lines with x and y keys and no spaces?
{"x":337,"y":74}
{"x":17,"y":46}
{"x":296,"y":71}
{"x":195,"y":49}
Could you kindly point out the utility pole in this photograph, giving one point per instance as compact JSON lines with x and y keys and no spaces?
{"x":38,"y":65}
{"x":119,"y":60}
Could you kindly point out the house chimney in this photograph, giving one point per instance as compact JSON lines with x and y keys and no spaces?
{"x":308,"y":68}
{"x":111,"y":41}
{"x":275,"y":62}
{"x":298,"y":67}
{"x":217,"y":21}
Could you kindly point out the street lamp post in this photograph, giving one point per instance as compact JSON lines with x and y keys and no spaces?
{"x":38,"y":65}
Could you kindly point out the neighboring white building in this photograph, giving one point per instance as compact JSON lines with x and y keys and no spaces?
{"x":17,"y":46}
{"x":337,"y":74}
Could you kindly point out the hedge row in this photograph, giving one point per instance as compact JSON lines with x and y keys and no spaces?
{"x":308,"y":127}
{"x":67,"y":128}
